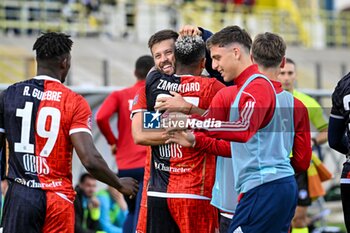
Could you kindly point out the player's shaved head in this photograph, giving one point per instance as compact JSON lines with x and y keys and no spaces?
{"x":268,"y":50}
{"x":230,"y":35}
{"x":189,"y":50}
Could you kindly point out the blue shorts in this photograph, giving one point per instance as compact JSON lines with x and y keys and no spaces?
{"x":267,"y":208}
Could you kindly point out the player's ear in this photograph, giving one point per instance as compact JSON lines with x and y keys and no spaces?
{"x":251,"y":58}
{"x":64,"y":63}
{"x":202,"y":63}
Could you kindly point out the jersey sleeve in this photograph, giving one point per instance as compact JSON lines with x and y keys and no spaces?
{"x":212,"y":145}
{"x":2,"y":123}
{"x":219,"y":107}
{"x":317,"y":116}
{"x":109,"y":106}
{"x":256,"y":109}
{"x":139,"y":104}
{"x":338,"y":110}
{"x":81,"y":121}
{"x":302,"y":142}
{"x":217,"y":86}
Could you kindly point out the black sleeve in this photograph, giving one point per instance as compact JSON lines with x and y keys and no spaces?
{"x":208,"y":61}
{"x":337,"y":139}
{"x":154,"y":79}
{"x":2,"y":107}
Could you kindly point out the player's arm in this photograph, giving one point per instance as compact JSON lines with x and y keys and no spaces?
{"x":319,"y":121}
{"x":205,"y":34}
{"x":139,"y":134}
{"x":302,"y":141}
{"x":337,"y":139}
{"x":97,"y":166}
{"x":177,"y":103}
{"x":146,"y":137}
{"x":2,"y":136}
{"x":255,"y":111}
{"x":107,"y":109}
{"x":172,"y":104}
{"x":200,"y":142}
{"x":80,"y":135}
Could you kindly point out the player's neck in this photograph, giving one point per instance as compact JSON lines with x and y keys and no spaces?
{"x":182,"y":70}
{"x":48,"y":72}
{"x":271,"y":73}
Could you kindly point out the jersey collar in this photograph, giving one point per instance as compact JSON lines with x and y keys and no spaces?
{"x":45,"y":77}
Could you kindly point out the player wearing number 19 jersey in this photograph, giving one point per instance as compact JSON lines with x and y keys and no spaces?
{"x":42,"y":120}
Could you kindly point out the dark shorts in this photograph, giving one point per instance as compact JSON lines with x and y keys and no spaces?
{"x":225,"y":223}
{"x":36,"y":211}
{"x":303,"y":189}
{"x":267,"y":208}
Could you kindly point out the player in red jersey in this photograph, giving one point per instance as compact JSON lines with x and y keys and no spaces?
{"x":252,"y":124}
{"x":42,"y":121}
{"x":269,"y":65}
{"x":130,"y":157}
{"x":179,"y":189}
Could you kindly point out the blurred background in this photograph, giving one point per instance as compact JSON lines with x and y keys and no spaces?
{"x":109,"y":35}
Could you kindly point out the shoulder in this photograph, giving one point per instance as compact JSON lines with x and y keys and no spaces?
{"x":343,"y":88}
{"x":307,"y":100}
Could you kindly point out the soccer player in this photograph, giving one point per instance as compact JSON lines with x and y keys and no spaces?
{"x":42,"y":121}
{"x":162,"y":46}
{"x":130,"y":157}
{"x":268,"y":52}
{"x":179,"y":189}
{"x":260,"y":149}
{"x":339,"y":137}
{"x":287,"y":77}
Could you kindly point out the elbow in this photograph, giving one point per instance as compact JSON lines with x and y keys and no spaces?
{"x":90,"y":163}
{"x":139,"y":140}
{"x":332,"y":143}
{"x":99,"y":119}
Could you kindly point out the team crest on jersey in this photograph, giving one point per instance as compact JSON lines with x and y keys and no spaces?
{"x":136,"y":99}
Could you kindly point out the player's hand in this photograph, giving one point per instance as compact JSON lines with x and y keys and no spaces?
{"x":175,"y":121}
{"x":94,"y":203}
{"x":114,"y":149}
{"x":129,"y":187}
{"x":176,"y":103}
{"x":183,"y":138}
{"x":189,"y":30}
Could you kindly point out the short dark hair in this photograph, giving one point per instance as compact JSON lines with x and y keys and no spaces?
{"x":289,"y":60}
{"x":143,"y":65}
{"x":162,"y":35}
{"x":268,"y":49}
{"x":189,"y":50}
{"x":52,"y":45}
{"x":85,"y":176}
{"x":229,"y":35}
